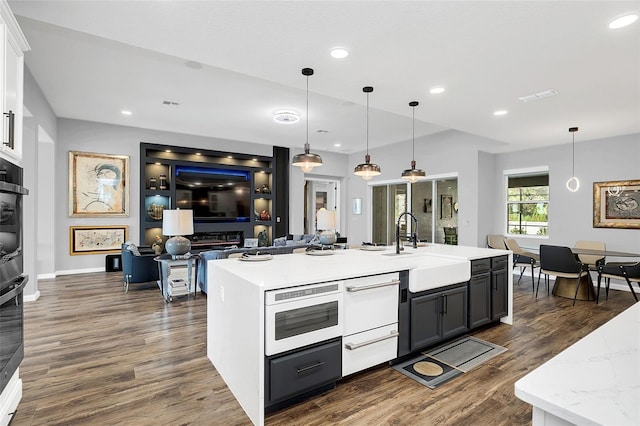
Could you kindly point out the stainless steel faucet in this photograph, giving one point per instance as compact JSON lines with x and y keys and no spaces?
{"x":414,"y":235}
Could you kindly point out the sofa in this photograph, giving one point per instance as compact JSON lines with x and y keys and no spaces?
{"x":282,"y":245}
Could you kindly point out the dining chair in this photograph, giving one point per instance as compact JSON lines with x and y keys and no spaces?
{"x":523,"y":259}
{"x":589,"y":259}
{"x":495,"y":241}
{"x":561,"y":262}
{"x":617,"y":270}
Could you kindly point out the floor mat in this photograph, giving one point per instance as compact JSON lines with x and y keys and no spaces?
{"x":448,"y":361}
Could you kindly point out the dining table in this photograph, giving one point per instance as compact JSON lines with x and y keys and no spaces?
{"x":566,"y":287}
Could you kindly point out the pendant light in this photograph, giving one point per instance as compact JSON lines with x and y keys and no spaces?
{"x":367,"y":170}
{"x":573,"y":184}
{"x":413,"y":175}
{"x":308,"y":160}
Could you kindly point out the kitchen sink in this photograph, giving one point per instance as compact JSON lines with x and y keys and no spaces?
{"x":438,"y":272}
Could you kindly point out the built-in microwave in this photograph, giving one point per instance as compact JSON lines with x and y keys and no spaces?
{"x":301,"y":316}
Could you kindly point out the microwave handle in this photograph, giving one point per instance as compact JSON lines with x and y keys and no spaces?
{"x":16,"y":291}
{"x":354,"y":288}
{"x":354,"y":346}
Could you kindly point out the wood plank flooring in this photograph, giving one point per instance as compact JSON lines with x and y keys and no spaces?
{"x":97,"y":356}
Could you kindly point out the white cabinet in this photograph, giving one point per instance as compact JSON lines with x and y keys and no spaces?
{"x":12,"y":46}
{"x":370,"y":321}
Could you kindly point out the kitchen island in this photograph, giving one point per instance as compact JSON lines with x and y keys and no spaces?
{"x":595,"y":381}
{"x":240,"y":340}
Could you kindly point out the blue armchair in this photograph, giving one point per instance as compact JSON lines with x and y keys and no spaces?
{"x":138,"y":265}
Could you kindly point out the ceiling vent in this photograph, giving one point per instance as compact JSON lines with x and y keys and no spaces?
{"x":170,"y":103}
{"x":539,"y":95}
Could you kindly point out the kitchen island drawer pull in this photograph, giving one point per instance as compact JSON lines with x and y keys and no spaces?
{"x":316,"y":365}
{"x":354,"y":346}
{"x":354,"y":288}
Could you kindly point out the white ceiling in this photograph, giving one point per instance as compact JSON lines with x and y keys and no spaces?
{"x":94,"y":58}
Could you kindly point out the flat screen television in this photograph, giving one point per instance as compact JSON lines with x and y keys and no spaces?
{"x":214,"y":194}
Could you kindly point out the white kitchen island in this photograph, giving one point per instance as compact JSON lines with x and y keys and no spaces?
{"x":595,"y":381}
{"x":236,"y":301}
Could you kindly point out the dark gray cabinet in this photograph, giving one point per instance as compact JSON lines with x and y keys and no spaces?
{"x":438,"y":316}
{"x":488,"y":290}
{"x":499,"y":287}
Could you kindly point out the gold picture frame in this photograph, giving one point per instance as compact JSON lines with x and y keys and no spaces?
{"x":616,"y":204}
{"x":97,"y":239}
{"x":98,"y":185}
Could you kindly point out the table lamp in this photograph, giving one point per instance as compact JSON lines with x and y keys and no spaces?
{"x":326,"y":222}
{"x":176,"y":223}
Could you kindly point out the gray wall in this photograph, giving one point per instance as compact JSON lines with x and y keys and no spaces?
{"x":570,"y":214}
{"x":76,"y":135}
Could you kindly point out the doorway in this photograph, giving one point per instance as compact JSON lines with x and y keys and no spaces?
{"x":434,"y":202}
{"x":320,"y":193}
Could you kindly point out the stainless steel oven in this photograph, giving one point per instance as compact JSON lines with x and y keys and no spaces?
{"x":12,"y":279}
{"x":301,"y":316}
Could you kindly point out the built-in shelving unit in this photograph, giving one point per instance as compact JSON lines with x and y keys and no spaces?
{"x":233,"y":195}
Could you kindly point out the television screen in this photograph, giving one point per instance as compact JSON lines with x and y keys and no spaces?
{"x":214,"y":194}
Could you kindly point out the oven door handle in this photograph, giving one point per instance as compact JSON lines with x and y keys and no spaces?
{"x":355,"y":288}
{"x":354,"y":346}
{"x":16,"y":291}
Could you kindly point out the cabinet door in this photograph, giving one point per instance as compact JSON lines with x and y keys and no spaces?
{"x":499,"y":294}
{"x":12,"y":92}
{"x":479,"y":300}
{"x":426,"y":320}
{"x":454,"y":312}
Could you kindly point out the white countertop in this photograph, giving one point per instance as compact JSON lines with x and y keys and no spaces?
{"x":595,"y":381}
{"x":299,"y":268}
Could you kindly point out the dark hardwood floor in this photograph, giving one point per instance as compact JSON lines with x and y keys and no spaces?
{"x":97,"y":356}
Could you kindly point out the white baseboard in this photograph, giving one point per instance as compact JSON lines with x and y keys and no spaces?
{"x":46,"y":276}
{"x":32,"y":297}
{"x":79,"y":271}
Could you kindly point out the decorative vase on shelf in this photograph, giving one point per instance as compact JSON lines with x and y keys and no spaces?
{"x":157,"y":245}
{"x":264,"y":215}
{"x":264,"y":189}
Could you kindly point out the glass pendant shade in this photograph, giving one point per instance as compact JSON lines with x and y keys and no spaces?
{"x":308,"y":160}
{"x":573,"y":184}
{"x":413,"y":175}
{"x":367,"y":170}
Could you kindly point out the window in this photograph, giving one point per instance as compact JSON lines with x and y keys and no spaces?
{"x":528,"y":204}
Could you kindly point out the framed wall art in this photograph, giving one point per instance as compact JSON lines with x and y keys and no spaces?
{"x":98,"y":185}
{"x":616,"y":204}
{"x":446,"y":207}
{"x":97,"y":239}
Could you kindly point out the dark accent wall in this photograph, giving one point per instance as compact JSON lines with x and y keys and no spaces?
{"x":281,"y":178}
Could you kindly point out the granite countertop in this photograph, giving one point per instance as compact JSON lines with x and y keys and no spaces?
{"x":299,"y":268}
{"x":594,"y":381}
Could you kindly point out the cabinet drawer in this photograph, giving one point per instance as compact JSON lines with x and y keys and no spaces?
{"x":305,"y":370}
{"x":369,"y":348}
{"x":370,"y":302}
{"x":480,"y":265}
{"x":499,"y":262}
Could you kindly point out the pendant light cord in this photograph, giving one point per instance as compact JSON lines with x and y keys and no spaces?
{"x":573,"y":154}
{"x":367,"y":123}
{"x":413,"y":133}
{"x":307,"y":109}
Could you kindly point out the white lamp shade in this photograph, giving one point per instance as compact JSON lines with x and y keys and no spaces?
{"x":326,"y":219}
{"x":177,"y":222}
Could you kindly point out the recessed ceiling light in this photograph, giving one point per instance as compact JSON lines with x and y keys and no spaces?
{"x":623,"y":21}
{"x":339,"y":52}
{"x":436,"y":90}
{"x":286,"y":117}
{"x":229,"y":156}
{"x":125,"y":112}
{"x":167,"y":150}
{"x":337,"y":145}
{"x":197,"y":153}
{"x":500,"y":112}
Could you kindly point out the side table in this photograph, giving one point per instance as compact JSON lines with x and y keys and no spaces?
{"x":170,"y":268}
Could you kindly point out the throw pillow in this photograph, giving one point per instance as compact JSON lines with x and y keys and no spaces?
{"x":132,"y":248}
